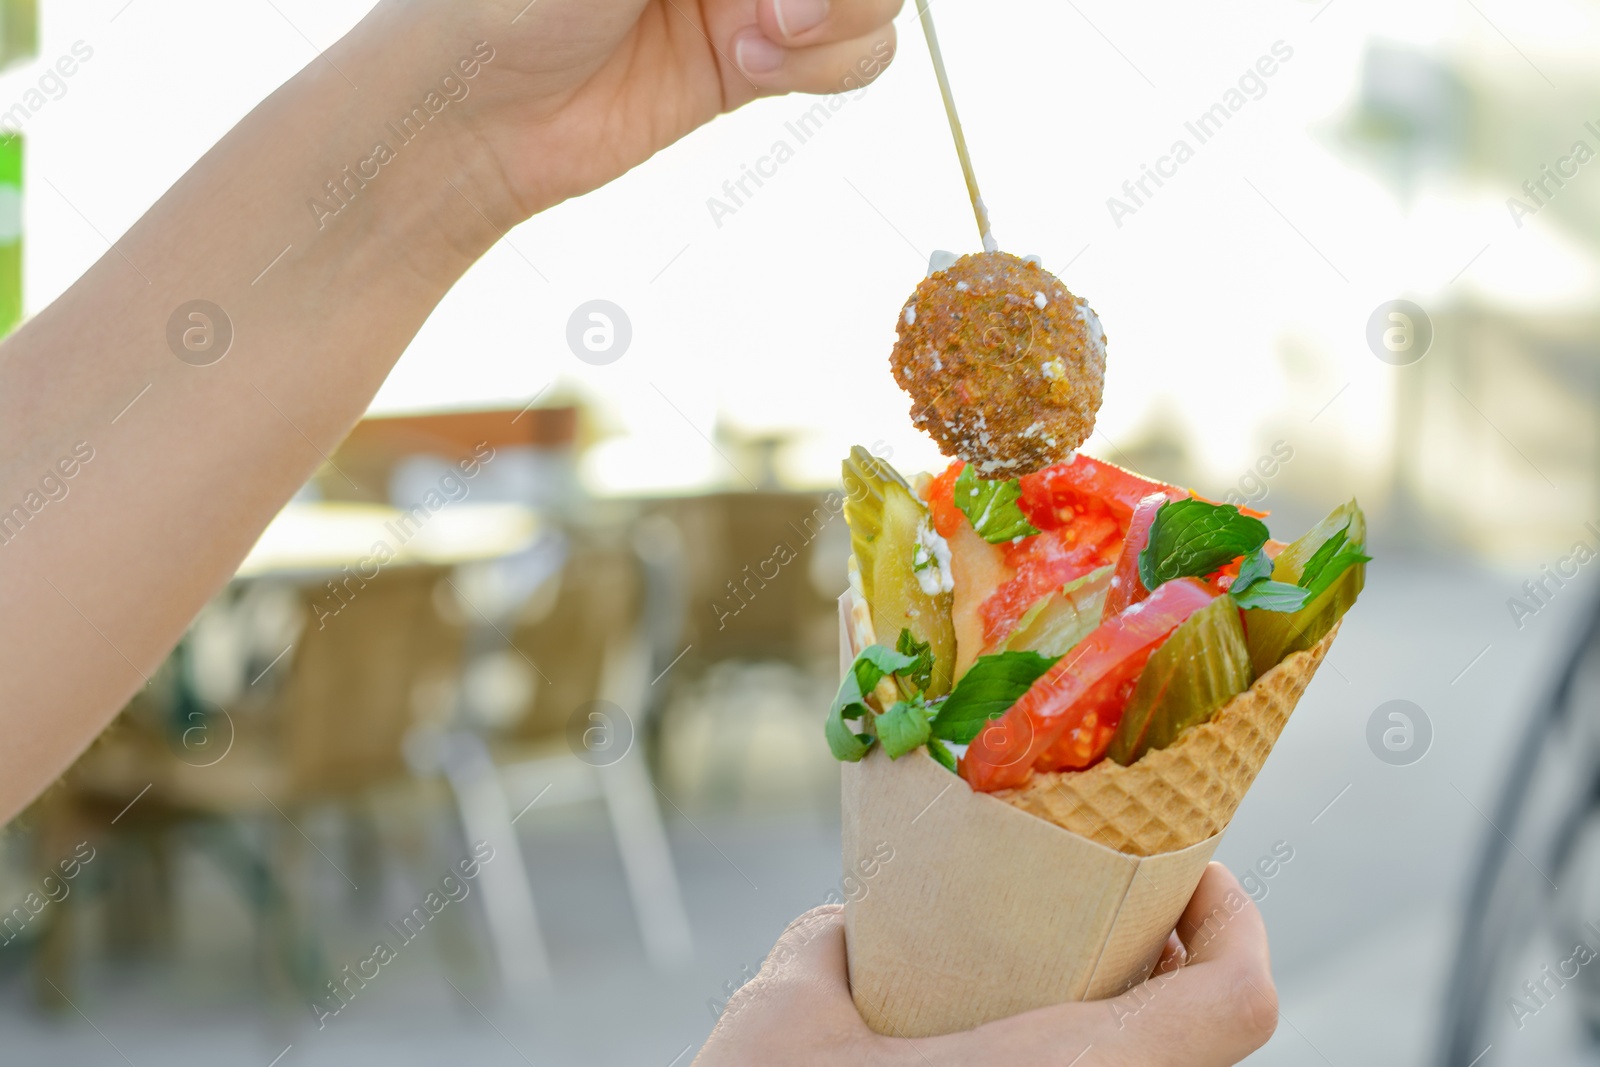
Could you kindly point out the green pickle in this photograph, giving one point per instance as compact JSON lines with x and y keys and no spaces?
{"x":1203,"y":665}
{"x":1059,"y":621}
{"x":1273,"y":635}
{"x":884,"y":517}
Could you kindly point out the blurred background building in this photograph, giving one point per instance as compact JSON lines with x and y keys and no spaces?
{"x":581,"y":644}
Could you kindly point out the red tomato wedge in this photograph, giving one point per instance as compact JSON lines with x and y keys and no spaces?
{"x":1052,"y":497}
{"x":947,"y":518}
{"x":1048,"y":561}
{"x":1081,"y":509}
{"x":1067,"y":719}
{"x":1126,"y":585}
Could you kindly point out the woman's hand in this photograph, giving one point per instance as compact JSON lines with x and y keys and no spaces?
{"x":582,"y":90}
{"x":1210,"y":1003}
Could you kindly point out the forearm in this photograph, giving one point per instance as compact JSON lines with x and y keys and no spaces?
{"x":98,"y":584}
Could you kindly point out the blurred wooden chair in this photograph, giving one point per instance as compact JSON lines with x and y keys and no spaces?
{"x":747,"y":565}
{"x":565,"y":724}
{"x":348,"y":691}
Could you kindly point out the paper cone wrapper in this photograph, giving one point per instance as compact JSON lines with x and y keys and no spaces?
{"x":969,"y":907}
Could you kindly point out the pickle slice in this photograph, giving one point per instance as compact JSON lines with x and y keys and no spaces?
{"x":866,"y":478}
{"x":1272,"y":635}
{"x":1203,"y":665}
{"x":884,"y":518}
{"x":1291,"y":562}
{"x":1059,"y":621}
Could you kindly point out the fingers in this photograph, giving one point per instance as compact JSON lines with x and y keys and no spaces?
{"x":1221,"y":921}
{"x":806,"y":971}
{"x":799,"y":23}
{"x":834,"y":67}
{"x":810,"y":951}
{"x":812,"y":46}
{"x":1221,"y":1004}
{"x":1212,"y":1011}
{"x":799,"y":1004}
{"x":1173,"y":954}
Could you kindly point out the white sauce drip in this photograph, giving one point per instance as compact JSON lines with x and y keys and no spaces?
{"x":932,"y":554}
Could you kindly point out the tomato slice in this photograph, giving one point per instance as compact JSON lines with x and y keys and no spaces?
{"x":1044,"y":563}
{"x":1052,"y":497}
{"x":1081,"y":508}
{"x":1126,"y":585}
{"x":1067,"y":719}
{"x":947,"y":518}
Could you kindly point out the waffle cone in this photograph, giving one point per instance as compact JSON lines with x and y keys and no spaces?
{"x":1185,"y":793}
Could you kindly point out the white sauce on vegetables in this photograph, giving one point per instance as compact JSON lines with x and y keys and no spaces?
{"x":930,"y":561}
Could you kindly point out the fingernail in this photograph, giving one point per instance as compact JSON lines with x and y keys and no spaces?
{"x":754,"y":54}
{"x":799,"y":16}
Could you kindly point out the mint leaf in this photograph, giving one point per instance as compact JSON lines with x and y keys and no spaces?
{"x":1324,"y":555}
{"x":1191,"y":539}
{"x":987,"y":691}
{"x":869,"y":668}
{"x":1272,"y":596}
{"x":1255,"y":568}
{"x":942,"y":755}
{"x":991,"y":507}
{"x":1254,"y":587}
{"x":903,"y":727}
{"x":1331,"y":559}
{"x":920,"y":673}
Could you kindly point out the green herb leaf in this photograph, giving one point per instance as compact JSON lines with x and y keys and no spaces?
{"x":869,"y":668}
{"x":1331,"y":559}
{"x":1324,"y":555}
{"x":991,"y":507}
{"x":1272,"y":635}
{"x":987,"y":691}
{"x":1191,"y":539}
{"x":920,"y":673}
{"x":1254,"y":587}
{"x":1272,"y":596}
{"x":942,"y":755}
{"x":1255,"y":567}
{"x":904,"y":727}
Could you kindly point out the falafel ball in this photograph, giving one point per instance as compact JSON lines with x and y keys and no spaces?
{"x":1005,"y":367}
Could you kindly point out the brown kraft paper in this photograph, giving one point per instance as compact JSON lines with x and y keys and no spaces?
{"x":984,"y":910}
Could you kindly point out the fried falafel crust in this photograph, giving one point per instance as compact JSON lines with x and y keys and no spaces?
{"x":1004,"y":365}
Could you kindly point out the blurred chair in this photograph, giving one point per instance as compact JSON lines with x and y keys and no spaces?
{"x":330,"y":732}
{"x":556,"y":698}
{"x":760,"y":578}
{"x":750,"y":593}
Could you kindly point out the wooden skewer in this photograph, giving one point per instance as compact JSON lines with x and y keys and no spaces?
{"x":979,"y":211}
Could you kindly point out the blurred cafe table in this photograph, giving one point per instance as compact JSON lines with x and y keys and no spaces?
{"x":311,"y":537}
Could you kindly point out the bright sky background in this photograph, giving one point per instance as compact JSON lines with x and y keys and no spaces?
{"x":1219,"y":314}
